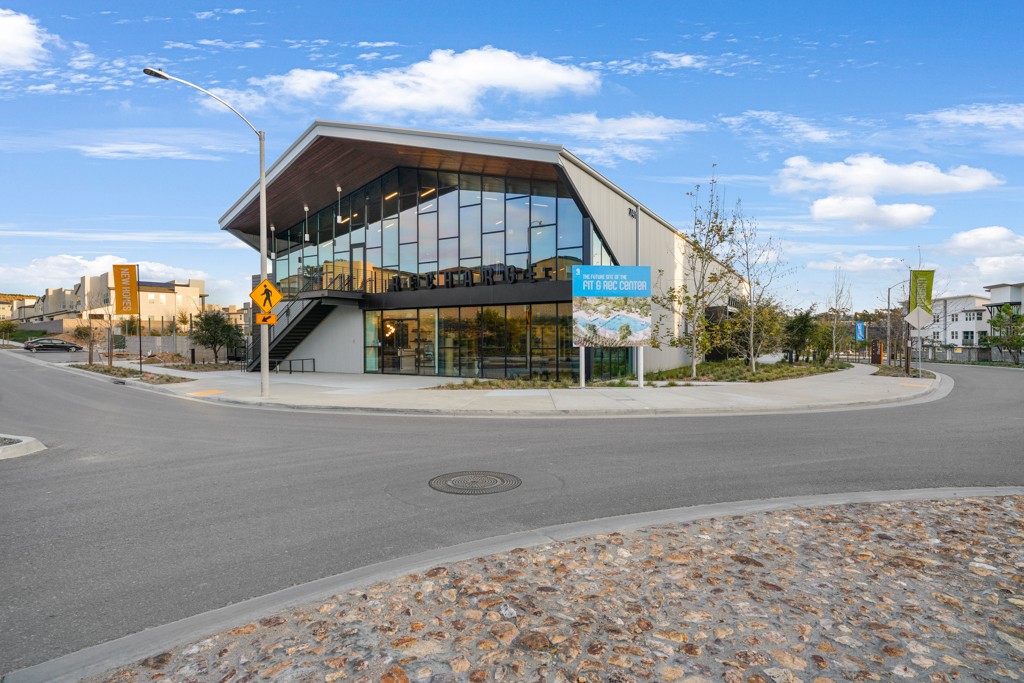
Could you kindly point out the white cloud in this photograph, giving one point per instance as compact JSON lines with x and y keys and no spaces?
{"x":140,"y":150}
{"x":788,"y":127}
{"x":65,"y":270}
{"x":865,"y":175}
{"x":214,"y":14}
{"x":988,"y":241}
{"x":242,"y":100}
{"x":589,"y":126}
{"x":865,"y":212}
{"x":22,"y":42}
{"x":996,"y":116}
{"x":611,"y":153}
{"x":672,"y":60}
{"x":368,"y":55}
{"x":856,"y":263}
{"x":298,"y":83}
{"x":456,"y":82}
{"x":215,"y":43}
{"x":383,"y":43}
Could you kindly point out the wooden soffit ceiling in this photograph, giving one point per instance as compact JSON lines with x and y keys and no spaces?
{"x":312,"y":177}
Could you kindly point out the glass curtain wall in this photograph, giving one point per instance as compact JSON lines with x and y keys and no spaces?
{"x":416,"y":221}
{"x":517,"y":340}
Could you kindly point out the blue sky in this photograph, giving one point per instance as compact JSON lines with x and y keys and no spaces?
{"x":867,"y":135}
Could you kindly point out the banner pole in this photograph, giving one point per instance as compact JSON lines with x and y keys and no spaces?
{"x":583,"y":367}
{"x":138,"y":305}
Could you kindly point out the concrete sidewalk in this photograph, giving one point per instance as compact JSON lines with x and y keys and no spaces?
{"x":853,"y":388}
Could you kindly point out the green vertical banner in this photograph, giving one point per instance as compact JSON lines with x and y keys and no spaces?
{"x":921,"y":290}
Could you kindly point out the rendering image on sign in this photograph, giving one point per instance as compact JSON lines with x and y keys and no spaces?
{"x":611,"y":305}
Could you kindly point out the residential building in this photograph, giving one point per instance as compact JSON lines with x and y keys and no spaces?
{"x":1002,"y":294}
{"x":960,"y":320}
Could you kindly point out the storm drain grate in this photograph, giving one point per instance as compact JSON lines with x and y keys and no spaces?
{"x":474,"y":483}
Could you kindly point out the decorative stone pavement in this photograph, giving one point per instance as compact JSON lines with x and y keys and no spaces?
{"x":925,"y":591}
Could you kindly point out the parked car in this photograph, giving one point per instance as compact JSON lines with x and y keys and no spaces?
{"x":51,"y":344}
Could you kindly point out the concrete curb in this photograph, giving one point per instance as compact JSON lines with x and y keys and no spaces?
{"x":26,"y":445}
{"x":937,"y":390}
{"x":105,"y":656}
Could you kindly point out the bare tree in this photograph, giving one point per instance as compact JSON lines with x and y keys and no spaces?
{"x":837,"y":305}
{"x":758,"y":262}
{"x":707,"y":280}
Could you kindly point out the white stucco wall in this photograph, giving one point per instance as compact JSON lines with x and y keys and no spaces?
{"x":336,"y":343}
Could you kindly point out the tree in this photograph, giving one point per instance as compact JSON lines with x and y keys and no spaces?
{"x":757,"y":329}
{"x":761,"y":318}
{"x":799,"y":329}
{"x":7,"y":328}
{"x":707,"y":279}
{"x":1007,"y":332}
{"x":838,"y":304}
{"x":213,"y":330}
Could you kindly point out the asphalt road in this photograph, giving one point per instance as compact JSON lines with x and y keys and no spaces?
{"x":146,"y":508}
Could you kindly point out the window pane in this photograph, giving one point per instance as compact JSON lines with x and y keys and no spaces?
{"x":516,"y":187}
{"x":390,"y":239}
{"x":448,"y":342}
{"x":494,"y":249}
{"x":409,"y":260}
{"x":427,"y":347}
{"x":543,"y":203}
{"x":428,"y":237}
{"x":517,"y":340}
{"x":470,"y":268}
{"x":448,"y":254}
{"x":469,"y":231}
{"x":373,"y":215}
{"x":492,"y":341}
{"x":469,"y":335}
{"x":391,"y":195}
{"x":371,"y":338}
{"x":568,"y":355}
{"x":567,"y":258}
{"x":520,"y":261}
{"x":469,"y":189}
{"x":428,"y":191}
{"x":448,"y":214}
{"x":570,"y":224}
{"x":517,"y":221}
{"x":544,"y":329}
{"x":358,"y":221}
{"x":542,"y":251}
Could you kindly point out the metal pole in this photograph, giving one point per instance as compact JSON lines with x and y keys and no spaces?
{"x":264,"y":329}
{"x":888,"y":319}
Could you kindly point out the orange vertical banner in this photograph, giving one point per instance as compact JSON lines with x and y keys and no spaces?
{"x":126,"y":290}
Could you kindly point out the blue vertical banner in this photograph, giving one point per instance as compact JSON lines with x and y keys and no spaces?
{"x":611,"y":305}
{"x":860,"y":331}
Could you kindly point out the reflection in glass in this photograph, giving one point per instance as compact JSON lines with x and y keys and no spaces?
{"x":448,"y":342}
{"x":517,"y":225}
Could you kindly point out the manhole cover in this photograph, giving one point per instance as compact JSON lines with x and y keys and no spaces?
{"x":474,"y":483}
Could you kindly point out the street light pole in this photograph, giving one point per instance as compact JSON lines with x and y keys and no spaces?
{"x":264,"y":331}
{"x":888,"y":318}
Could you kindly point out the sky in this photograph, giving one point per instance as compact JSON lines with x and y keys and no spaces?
{"x":869,"y":136}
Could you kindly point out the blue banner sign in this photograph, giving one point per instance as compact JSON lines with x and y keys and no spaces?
{"x":611,"y":281}
{"x":860,"y":331}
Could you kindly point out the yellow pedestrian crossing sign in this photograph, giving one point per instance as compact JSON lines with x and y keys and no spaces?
{"x":266,"y":296}
{"x":266,"y":319}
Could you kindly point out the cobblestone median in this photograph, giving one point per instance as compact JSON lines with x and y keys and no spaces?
{"x":929,"y":591}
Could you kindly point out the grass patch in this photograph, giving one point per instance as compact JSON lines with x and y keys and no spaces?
{"x":898,"y":371}
{"x":204,"y":367}
{"x":131,"y":373}
{"x":490,"y":384}
{"x":739,"y":371}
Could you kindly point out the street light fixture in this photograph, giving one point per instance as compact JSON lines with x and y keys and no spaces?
{"x":264,"y":331}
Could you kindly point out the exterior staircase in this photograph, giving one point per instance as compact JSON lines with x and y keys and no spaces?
{"x":295,"y":330}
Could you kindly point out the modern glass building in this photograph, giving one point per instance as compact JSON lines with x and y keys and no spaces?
{"x":413,"y":252}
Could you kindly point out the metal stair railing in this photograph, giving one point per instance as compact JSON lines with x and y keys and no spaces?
{"x":315,"y":283}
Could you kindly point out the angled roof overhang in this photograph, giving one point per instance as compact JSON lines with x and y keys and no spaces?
{"x":330,"y":154}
